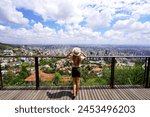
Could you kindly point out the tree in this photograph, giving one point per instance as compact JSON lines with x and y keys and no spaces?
{"x":24,"y":64}
{"x":57,"y":78}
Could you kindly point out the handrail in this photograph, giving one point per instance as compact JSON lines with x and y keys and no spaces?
{"x":146,"y":72}
{"x":64,"y":56}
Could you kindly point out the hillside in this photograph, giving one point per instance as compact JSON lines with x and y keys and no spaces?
{"x":6,"y":46}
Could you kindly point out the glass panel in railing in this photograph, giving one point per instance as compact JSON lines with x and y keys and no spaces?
{"x":58,"y":71}
{"x":16,"y":71}
{"x":95,"y":71}
{"x":49,"y":73}
{"x":129,"y":71}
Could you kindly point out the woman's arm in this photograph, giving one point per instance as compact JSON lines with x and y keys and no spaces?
{"x":84,"y":54}
{"x":68,"y":55}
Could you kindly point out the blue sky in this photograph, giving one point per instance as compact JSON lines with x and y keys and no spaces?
{"x":75,"y":22}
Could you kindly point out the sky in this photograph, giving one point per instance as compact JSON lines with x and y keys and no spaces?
{"x":119,"y":22}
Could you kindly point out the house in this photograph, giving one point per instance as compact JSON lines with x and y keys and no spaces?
{"x":60,"y":63}
{"x":31,"y":69}
{"x":18,"y":64}
{"x":3,"y":64}
{"x":131,"y":64}
{"x":23,"y":59}
{"x":47,"y":66}
{"x":4,"y":72}
{"x":120,"y":64}
{"x":8,"y":52}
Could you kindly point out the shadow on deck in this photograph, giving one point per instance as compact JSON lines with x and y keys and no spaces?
{"x":119,"y":92}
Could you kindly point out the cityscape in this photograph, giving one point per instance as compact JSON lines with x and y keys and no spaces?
{"x":22,"y":71}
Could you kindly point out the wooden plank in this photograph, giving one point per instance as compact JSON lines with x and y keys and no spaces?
{"x":5,"y":94}
{"x":147,"y":91}
{"x":117,"y":95}
{"x":51,"y":93}
{"x":102,"y":94}
{"x":89,"y":93}
{"x":35,"y":94}
{"x":122,"y":94}
{"x":112,"y":94}
{"x":40,"y":94}
{"x":129,"y":94}
{"x":61,"y":93}
{"x":84,"y":96}
{"x":69,"y":95}
{"x":81,"y":92}
{"x":85,"y":93}
{"x":135,"y":93}
{"x":20,"y":94}
{"x":28,"y":94}
{"x":48,"y":92}
{"x":142,"y":93}
{"x":94,"y":93}
{"x":15,"y":95}
{"x":105,"y":93}
{"x":10,"y":95}
{"x":65,"y":93}
{"x":46,"y":96}
{"x":98,"y":95}
{"x":2,"y":92}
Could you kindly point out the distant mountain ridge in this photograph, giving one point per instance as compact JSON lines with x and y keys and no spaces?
{"x":7,"y":46}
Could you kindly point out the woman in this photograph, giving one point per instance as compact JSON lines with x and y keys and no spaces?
{"x":76,"y":56}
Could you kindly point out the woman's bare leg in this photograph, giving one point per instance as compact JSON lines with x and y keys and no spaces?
{"x":77,"y":84}
{"x":74,"y":87}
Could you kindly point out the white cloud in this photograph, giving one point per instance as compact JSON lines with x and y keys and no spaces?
{"x":131,"y":25}
{"x":135,"y":33}
{"x":129,"y":32}
{"x":79,"y":19}
{"x":9,"y":14}
{"x":98,"y":19}
{"x":95,"y":13}
{"x":48,"y":9}
{"x":123,"y":24}
{"x":2,"y":27}
{"x":70,"y":11}
{"x":45,"y":35}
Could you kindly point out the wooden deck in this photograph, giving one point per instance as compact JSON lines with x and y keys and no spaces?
{"x":86,"y":93}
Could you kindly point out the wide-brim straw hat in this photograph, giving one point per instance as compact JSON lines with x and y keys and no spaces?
{"x":76,"y":51}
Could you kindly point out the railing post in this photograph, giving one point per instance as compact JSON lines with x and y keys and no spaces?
{"x":37,"y":73}
{"x":112,"y":72}
{"x":145,"y":71}
{"x":147,"y":74}
{"x":1,"y":79}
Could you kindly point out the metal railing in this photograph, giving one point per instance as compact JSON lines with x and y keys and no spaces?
{"x":112,"y":77}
